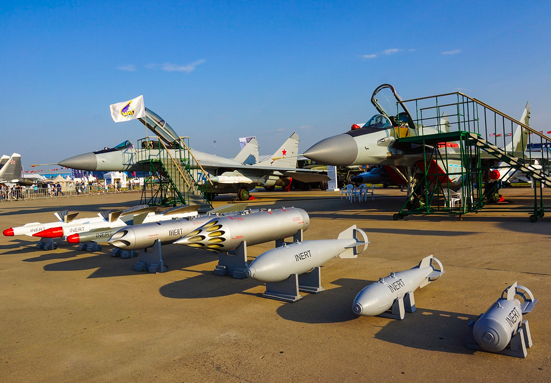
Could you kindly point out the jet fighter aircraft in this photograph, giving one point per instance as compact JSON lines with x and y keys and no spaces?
{"x":378,"y":143}
{"x":237,"y":175}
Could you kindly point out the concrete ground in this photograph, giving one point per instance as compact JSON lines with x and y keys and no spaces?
{"x":71,"y":316}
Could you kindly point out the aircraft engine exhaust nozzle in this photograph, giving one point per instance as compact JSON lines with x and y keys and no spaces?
{"x":300,"y":257}
{"x":379,"y":297}
{"x":8,"y":232}
{"x":495,"y":328}
{"x":340,"y":150}
{"x":73,"y":238}
{"x":53,"y":232}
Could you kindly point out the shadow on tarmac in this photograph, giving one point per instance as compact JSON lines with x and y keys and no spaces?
{"x":329,"y":306}
{"x":427,"y":329}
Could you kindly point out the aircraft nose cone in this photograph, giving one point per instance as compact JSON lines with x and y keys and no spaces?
{"x":86,"y":161}
{"x":340,"y":150}
{"x":357,"y":308}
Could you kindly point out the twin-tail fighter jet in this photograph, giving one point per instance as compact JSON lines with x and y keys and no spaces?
{"x":11,"y":174}
{"x":378,"y":143}
{"x":226,"y":175}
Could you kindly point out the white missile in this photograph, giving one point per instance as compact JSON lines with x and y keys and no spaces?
{"x":227,"y":233}
{"x":379,"y":297}
{"x":33,"y":228}
{"x":300,"y":257}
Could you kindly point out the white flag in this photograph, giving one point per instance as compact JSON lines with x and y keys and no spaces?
{"x":128,"y":110}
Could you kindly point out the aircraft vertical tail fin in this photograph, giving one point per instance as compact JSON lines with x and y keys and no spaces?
{"x":3,"y":160}
{"x":249,"y":153}
{"x":521,"y":135}
{"x":286,"y":156}
{"x":12,"y":168}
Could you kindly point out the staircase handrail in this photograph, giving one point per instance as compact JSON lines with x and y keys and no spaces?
{"x":197,"y":162}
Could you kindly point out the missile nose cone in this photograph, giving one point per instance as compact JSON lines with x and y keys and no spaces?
{"x":8,"y":232}
{"x":357,"y":308}
{"x":86,"y":161}
{"x":122,"y":239}
{"x":73,"y":238}
{"x":54,"y":232}
{"x":339,"y":150}
{"x":251,"y":272}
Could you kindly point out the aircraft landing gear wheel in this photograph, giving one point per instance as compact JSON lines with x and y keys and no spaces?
{"x":243,"y":195}
{"x":397,"y":216}
{"x":533,"y":218}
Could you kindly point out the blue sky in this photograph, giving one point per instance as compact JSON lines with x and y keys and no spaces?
{"x":220,"y":70}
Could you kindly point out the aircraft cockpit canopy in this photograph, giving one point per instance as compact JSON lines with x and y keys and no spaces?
{"x":387,"y":102}
{"x":124,"y":145}
{"x":160,"y":127}
{"x":378,"y":121}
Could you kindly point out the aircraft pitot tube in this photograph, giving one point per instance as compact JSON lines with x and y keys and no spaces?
{"x":495,"y":328}
{"x":227,"y":233}
{"x":380,"y":296}
{"x":300,"y":257}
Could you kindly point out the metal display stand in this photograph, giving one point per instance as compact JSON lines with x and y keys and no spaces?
{"x":46,"y":244}
{"x":152,"y":260}
{"x":89,"y":246}
{"x":233,"y":262}
{"x":400,"y":306}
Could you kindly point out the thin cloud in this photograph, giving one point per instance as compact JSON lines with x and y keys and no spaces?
{"x":306,"y":127}
{"x":168,"y":67}
{"x":369,"y":56}
{"x":454,"y":52}
{"x":128,"y":68}
{"x":391,"y":51}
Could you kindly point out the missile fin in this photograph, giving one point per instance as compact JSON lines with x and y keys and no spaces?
{"x":229,"y":208}
{"x":139,"y":218}
{"x":113,"y":216}
{"x":360,"y":242}
{"x":139,"y":209}
{"x":181,"y":209}
{"x":435,"y":273}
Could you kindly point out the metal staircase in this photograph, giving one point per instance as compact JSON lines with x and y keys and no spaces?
{"x":170,"y":180}
{"x":472,"y":139}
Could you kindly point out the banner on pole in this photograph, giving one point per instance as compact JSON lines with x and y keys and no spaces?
{"x":128,"y":110}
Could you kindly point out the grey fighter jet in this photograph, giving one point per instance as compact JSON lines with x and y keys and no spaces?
{"x":237,"y":175}
{"x":10,"y":171}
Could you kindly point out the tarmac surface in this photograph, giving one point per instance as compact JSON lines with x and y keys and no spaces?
{"x":73,"y":316}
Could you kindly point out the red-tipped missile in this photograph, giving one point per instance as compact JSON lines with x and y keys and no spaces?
{"x":8,"y":232}
{"x":53,"y":232}
{"x":73,"y":238}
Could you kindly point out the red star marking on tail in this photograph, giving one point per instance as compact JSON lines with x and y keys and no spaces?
{"x":284,"y":152}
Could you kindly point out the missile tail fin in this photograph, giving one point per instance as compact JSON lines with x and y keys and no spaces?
{"x":436,"y":272}
{"x":358,"y":244}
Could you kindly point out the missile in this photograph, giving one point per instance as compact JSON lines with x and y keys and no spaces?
{"x":278,"y":264}
{"x":227,"y":233}
{"x":104,"y":220}
{"x":140,"y":214}
{"x":378,"y":297}
{"x":144,"y":235}
{"x":35,"y":227}
{"x":495,"y":328}
{"x":99,"y":235}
